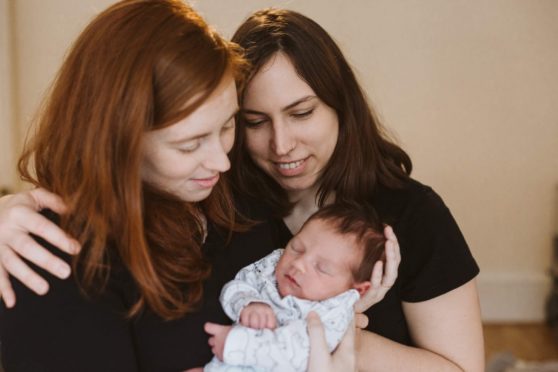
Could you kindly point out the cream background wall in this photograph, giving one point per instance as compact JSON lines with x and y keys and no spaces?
{"x":469,"y":88}
{"x":7,"y":122}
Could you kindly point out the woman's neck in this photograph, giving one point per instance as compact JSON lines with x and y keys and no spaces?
{"x":305,"y":204}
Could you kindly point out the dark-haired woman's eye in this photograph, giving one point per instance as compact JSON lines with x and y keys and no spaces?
{"x":253,"y":123}
{"x":302,"y":114}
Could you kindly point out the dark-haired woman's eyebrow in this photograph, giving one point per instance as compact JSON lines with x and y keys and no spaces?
{"x":252,"y":112}
{"x":298,"y":102}
{"x":286,"y":108}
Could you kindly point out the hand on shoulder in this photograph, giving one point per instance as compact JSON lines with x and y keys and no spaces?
{"x":18,"y":218}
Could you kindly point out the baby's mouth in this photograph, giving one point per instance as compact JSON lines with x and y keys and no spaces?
{"x":291,"y":279}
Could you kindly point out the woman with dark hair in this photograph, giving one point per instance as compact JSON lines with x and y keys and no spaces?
{"x":308,"y":138}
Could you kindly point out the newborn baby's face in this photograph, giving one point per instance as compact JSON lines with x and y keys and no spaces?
{"x":317,"y":263}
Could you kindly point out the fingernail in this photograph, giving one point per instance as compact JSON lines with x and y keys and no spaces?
{"x":63,"y":271}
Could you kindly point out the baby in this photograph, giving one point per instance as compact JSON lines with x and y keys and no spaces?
{"x":324,"y":268}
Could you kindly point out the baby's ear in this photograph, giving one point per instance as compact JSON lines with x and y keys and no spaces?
{"x":362,"y":287}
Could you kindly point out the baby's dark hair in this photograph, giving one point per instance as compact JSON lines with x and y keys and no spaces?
{"x":362,"y":222}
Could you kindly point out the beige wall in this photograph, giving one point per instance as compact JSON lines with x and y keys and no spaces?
{"x":7,"y":127}
{"x":468,"y":87}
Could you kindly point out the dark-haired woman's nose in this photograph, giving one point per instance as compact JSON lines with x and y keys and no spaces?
{"x":282,"y":142}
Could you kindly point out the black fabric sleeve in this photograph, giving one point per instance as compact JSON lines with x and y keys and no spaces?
{"x":63,"y":330}
{"x":435,"y":256}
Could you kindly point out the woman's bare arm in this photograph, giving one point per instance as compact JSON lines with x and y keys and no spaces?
{"x":447,"y":331}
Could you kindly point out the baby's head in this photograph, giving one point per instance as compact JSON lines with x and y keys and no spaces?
{"x":334,"y":251}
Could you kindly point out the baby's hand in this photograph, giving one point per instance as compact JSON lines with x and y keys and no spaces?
{"x":258,"y":315}
{"x":218,"y":337}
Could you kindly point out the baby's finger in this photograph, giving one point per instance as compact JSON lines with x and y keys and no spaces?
{"x":250,"y":320}
{"x":211,"y":328}
{"x":273,"y":321}
{"x":243,"y":319}
{"x":254,"y":320}
{"x":259,"y":321}
{"x":269,"y":320}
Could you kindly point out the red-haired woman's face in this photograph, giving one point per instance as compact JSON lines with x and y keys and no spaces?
{"x":290,"y":132}
{"x":187,"y":158}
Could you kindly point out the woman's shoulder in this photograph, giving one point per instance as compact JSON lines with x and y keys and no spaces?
{"x":435,"y":255}
{"x":412,"y":199}
{"x":119,"y":283}
{"x":53,"y":217}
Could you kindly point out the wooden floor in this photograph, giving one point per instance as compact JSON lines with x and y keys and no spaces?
{"x":531,"y":342}
{"x":534,"y":342}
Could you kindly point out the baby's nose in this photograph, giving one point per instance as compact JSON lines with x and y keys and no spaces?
{"x":299,"y":266}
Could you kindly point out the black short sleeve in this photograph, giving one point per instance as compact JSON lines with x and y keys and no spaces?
{"x":435,"y":256}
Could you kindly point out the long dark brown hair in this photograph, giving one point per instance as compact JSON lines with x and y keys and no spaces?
{"x":138,"y":66}
{"x":363,"y":157}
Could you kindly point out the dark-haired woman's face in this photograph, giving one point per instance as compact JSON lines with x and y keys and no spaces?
{"x":290,"y":132}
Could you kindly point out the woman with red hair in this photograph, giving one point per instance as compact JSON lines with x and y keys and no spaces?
{"x":132,"y":141}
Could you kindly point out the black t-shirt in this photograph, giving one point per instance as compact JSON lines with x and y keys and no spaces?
{"x":64,"y":331}
{"x":434,"y":255}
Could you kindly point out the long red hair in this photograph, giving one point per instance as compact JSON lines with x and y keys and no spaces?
{"x":132,"y":70}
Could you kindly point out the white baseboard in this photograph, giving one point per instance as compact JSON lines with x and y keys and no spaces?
{"x":513,"y":297}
